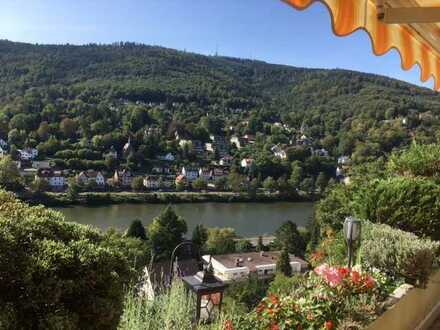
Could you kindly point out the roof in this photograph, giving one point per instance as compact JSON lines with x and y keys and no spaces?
{"x":49,"y":173}
{"x":254,"y":259}
{"x":90,"y":173}
{"x":414,"y":31}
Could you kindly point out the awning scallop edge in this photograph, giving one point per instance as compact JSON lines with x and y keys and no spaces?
{"x":349,"y":16}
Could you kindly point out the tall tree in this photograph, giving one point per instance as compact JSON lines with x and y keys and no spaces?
{"x":283,"y":263}
{"x":166,"y":231}
{"x":10,"y":178}
{"x":200,"y":236}
{"x":287,"y":236}
{"x":221,"y":240}
{"x":137,"y":230}
{"x":260,"y":244}
{"x":68,"y":127}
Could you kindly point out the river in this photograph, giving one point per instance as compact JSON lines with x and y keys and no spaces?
{"x":248,"y":219}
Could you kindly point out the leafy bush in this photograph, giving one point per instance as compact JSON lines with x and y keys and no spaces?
{"x":418,"y":160}
{"x":332,"y":210}
{"x":398,"y":253}
{"x":59,"y":275}
{"x":410,"y":204}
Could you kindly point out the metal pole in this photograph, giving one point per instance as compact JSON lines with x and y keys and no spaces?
{"x":350,"y":253}
{"x":350,"y":245}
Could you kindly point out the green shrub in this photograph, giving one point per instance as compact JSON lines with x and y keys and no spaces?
{"x":59,"y":275}
{"x":283,"y":285}
{"x":332,"y":210}
{"x":418,"y":160}
{"x":398,"y":253}
{"x":410,"y":204}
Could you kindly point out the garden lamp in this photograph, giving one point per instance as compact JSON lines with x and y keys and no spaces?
{"x":352,"y":234}
{"x":209,"y":292}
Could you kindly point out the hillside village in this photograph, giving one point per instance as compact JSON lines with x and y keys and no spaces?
{"x":212,"y":167}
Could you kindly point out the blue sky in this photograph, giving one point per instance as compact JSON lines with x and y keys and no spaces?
{"x":265,"y":30}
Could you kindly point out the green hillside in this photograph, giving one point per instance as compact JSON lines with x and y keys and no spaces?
{"x":110,"y":92}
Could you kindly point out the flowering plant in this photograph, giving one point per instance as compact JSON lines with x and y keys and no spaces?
{"x":323,"y":303}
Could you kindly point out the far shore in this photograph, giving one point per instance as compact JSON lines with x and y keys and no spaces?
{"x":108,"y":198}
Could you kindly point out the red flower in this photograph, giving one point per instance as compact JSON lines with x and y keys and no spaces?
{"x":369,"y":282}
{"x":228,"y":325}
{"x":329,"y":324}
{"x":355,"y":277}
{"x":275,"y":326}
{"x":343,"y":271}
{"x":274,"y":299}
{"x":261,"y":306}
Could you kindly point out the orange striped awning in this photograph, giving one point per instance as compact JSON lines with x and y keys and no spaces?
{"x":417,"y":43}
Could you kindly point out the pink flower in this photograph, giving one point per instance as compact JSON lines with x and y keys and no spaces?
{"x":333,"y":277}
{"x":320,"y":270}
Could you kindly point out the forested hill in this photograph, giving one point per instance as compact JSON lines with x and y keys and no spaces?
{"x":99,"y":88}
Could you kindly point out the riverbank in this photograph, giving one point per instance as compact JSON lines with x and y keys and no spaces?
{"x":108,"y":198}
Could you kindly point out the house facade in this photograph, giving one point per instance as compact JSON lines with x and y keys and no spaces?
{"x":205,"y":174}
{"x":279,"y":152}
{"x":246,"y":162}
{"x":55,"y":179}
{"x":189,"y":173}
{"x":152,"y":182}
{"x":28,"y":153}
{"x":91,"y":177}
{"x":238,"y":266}
{"x":123,"y":178}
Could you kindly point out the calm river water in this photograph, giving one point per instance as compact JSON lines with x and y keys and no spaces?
{"x":248,"y":219}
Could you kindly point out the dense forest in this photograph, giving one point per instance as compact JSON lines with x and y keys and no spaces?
{"x":75,"y":103}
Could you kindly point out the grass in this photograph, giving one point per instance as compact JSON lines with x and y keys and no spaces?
{"x":172,"y":309}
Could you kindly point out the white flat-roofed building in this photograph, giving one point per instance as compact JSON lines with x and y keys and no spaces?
{"x":238,"y":266}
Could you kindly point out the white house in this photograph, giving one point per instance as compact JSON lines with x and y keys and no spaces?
{"x":190,"y":174}
{"x":205,"y":174}
{"x":219,"y":172}
{"x":343,"y":160}
{"x":279,"y":152}
{"x":209,"y":146}
{"x":3,"y":144}
{"x":237,"y":141}
{"x":320,"y":152}
{"x":88,"y":177}
{"x":28,"y":153}
{"x":161,"y":170}
{"x":246,"y":162}
{"x":169,"y":157}
{"x":238,"y":266}
{"x":55,"y":179}
{"x":339,"y":171}
{"x":123,"y":178}
{"x":226,"y":160}
{"x":152,"y":182}
{"x":303,"y":140}
{"x":2,"y":152}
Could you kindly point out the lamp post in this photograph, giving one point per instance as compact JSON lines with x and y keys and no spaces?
{"x":209,"y":292}
{"x":352,"y":234}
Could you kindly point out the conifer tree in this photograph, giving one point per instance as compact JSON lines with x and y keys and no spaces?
{"x":200,"y":236}
{"x":137,"y":230}
{"x":283,"y":263}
